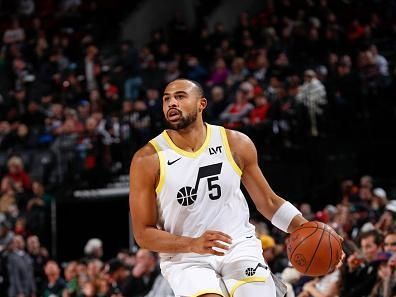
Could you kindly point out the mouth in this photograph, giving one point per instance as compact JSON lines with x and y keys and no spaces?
{"x":173,"y":114}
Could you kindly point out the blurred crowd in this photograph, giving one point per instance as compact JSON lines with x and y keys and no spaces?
{"x":365,"y":217}
{"x":75,"y":105}
{"x":362,"y":214}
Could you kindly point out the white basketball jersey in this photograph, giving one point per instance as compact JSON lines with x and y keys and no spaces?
{"x":199,"y":191}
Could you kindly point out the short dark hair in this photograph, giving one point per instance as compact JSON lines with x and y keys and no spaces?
{"x":378,"y":237}
{"x":197,"y":85}
{"x":390,"y":231}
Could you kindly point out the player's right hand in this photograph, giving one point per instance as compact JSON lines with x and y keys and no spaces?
{"x":210,"y":239}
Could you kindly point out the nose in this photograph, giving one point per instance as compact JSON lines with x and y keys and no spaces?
{"x":172,"y":102}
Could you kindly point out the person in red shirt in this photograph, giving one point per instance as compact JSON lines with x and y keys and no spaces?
{"x":259,"y":113}
{"x":18,"y":175}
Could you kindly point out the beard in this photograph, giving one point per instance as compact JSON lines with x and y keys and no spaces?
{"x":183,"y":122}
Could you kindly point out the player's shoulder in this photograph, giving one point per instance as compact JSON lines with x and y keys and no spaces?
{"x":145,"y":156}
{"x":242,"y":148}
{"x":237,"y":139}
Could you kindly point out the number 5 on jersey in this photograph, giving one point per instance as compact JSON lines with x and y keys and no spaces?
{"x":187,"y":195}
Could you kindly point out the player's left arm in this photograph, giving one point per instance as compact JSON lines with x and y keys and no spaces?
{"x":267,"y":202}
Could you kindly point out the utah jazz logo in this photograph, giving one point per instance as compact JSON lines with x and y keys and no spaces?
{"x":252,"y":271}
{"x":187,"y":195}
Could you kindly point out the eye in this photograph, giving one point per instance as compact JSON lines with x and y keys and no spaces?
{"x":179,"y":97}
{"x":166,"y":99}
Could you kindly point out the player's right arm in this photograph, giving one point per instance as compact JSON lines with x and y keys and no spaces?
{"x":144,"y":176}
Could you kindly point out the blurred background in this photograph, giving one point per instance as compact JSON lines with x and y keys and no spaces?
{"x":312,"y":82}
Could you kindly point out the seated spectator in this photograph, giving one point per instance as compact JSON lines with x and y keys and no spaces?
{"x":217,"y":103}
{"x":219,"y":74}
{"x":20,"y":178}
{"x":6,"y":235}
{"x":145,"y":273}
{"x":119,"y":278}
{"x":55,"y":284}
{"x":274,"y":254}
{"x":195,"y":71}
{"x":238,"y":72}
{"x":259,"y":114}
{"x":361,"y":273}
{"x":7,"y":194}
{"x":233,"y":115}
{"x":15,"y":33}
{"x":93,"y":249}
{"x":385,"y":285}
{"x":325,"y":286}
{"x":71,"y":277}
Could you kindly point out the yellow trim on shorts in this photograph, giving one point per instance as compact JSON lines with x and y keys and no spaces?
{"x":228,"y":152}
{"x":208,"y":292}
{"x":186,"y":153}
{"x":161,"y":158}
{"x":249,"y":279}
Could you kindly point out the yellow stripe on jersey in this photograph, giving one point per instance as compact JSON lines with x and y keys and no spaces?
{"x":250,"y":279}
{"x":203,"y":292}
{"x":161,"y":158}
{"x":185,"y":153}
{"x":228,"y":152}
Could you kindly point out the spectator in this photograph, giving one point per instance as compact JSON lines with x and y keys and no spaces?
{"x":195,"y":71}
{"x":238,"y":72}
{"x":14,"y":34}
{"x":380,"y":60}
{"x":6,"y":235}
{"x":219,"y":74}
{"x":17,"y":174}
{"x":325,"y":286}
{"x":55,"y":284}
{"x":71,"y":277}
{"x":39,"y":256}
{"x":145,"y":273}
{"x":235,"y":112}
{"x":361,"y":272}
{"x":119,"y":278}
{"x":20,"y":269}
{"x":313,"y":95}
{"x":93,"y":249}
{"x":385,"y":284}
{"x":217,"y":103}
{"x":130,"y":65}
{"x":92,"y":67}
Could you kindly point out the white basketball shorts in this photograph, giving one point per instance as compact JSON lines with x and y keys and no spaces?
{"x":191,"y":274}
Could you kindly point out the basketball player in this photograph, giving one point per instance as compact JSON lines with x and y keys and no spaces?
{"x":186,"y":202}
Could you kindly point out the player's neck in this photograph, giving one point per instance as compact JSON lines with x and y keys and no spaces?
{"x":191,"y":138}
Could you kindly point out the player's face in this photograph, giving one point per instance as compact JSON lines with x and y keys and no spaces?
{"x":182,"y":104}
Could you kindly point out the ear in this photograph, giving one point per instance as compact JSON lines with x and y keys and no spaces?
{"x":202,"y":104}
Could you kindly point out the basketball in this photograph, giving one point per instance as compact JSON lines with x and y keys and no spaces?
{"x":314,"y":249}
{"x":186,"y":196}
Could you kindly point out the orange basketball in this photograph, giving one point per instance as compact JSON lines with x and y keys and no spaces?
{"x":314,"y":249}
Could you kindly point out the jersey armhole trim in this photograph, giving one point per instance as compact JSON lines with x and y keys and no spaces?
{"x":161,"y":158}
{"x":250,"y":279}
{"x":228,"y":152}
